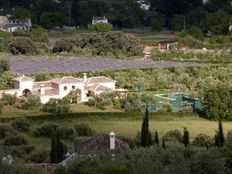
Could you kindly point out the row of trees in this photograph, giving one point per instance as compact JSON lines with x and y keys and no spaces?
{"x":174,"y":135}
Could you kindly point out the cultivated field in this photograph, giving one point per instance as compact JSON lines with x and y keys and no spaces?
{"x":27,"y":65}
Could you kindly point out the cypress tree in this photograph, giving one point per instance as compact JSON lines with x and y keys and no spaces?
{"x":156,"y":138}
{"x":163,"y":144}
{"x":58,"y":150}
{"x":185,"y":138}
{"x":145,"y":133}
{"x":219,"y":137}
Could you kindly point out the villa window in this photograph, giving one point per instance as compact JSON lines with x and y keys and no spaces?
{"x":65,"y":88}
{"x":73,"y":87}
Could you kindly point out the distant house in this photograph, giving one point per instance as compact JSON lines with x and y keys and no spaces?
{"x":100,"y":143}
{"x":12,"y":25}
{"x":97,"y":20}
{"x":61,"y":87}
{"x":144,"y":4}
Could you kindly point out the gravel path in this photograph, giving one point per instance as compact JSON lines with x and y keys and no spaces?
{"x":26,"y":65}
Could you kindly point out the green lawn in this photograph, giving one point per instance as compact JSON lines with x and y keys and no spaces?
{"x":130,"y":127}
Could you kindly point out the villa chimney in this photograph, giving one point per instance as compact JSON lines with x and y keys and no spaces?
{"x":85,"y":77}
{"x":112,"y":140}
{"x":42,"y":90}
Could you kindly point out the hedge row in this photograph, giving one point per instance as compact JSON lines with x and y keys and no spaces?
{"x":105,"y":115}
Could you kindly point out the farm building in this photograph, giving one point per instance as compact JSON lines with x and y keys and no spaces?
{"x":97,"y":20}
{"x":61,"y":87}
{"x":12,"y":25}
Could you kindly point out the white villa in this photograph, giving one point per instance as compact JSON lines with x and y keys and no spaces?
{"x":12,"y":25}
{"x":60,"y":87}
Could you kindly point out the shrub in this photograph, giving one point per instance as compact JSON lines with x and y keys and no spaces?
{"x":101,"y":27}
{"x":229,"y":139}
{"x":45,"y":130}
{"x":166,"y":107}
{"x":158,"y":24}
{"x":39,"y":156}
{"x":202,"y":140}
{"x":63,"y":45}
{"x":1,"y":106}
{"x":14,"y":140}
{"x":42,"y":76}
{"x":84,"y":130}
{"x":22,"y":150}
{"x":66,"y":133}
{"x":196,"y":33}
{"x":57,"y":106}
{"x":21,"y":125}
{"x":4,"y":65}
{"x":173,"y":136}
{"x":32,"y":102}
{"x":39,"y":35}
{"x":9,"y":99}
{"x":22,"y":46}
{"x":5,"y":130}
{"x":1,"y":44}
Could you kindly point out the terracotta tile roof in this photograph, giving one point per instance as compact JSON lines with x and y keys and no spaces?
{"x":101,"y":143}
{"x":23,"y":79}
{"x":48,"y":92}
{"x":97,"y":87}
{"x":99,"y":79}
{"x":66,"y":79}
{"x":46,"y":84}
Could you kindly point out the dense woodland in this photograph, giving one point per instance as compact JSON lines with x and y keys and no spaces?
{"x":171,"y":14}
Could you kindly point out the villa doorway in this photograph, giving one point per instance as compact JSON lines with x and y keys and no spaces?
{"x":27,"y":93}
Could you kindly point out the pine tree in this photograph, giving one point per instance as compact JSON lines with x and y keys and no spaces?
{"x":58,"y":150}
{"x":219,"y":137}
{"x":156,"y":138}
{"x":145,"y":133}
{"x":185,"y":138}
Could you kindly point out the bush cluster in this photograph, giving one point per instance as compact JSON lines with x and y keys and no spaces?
{"x":22,"y":46}
{"x":1,"y":106}
{"x":102,"y":101}
{"x":9,"y":99}
{"x":106,"y":43}
{"x":5,"y":65}
{"x":40,"y":156}
{"x":57,"y":106}
{"x":45,"y":130}
{"x":21,"y":151}
{"x":84,"y":130}
{"x":14,"y":140}
{"x":101,"y":27}
{"x":21,"y":125}
{"x":31,"y":102}
{"x":5,"y":130}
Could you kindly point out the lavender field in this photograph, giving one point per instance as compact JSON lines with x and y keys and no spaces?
{"x":27,"y":65}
